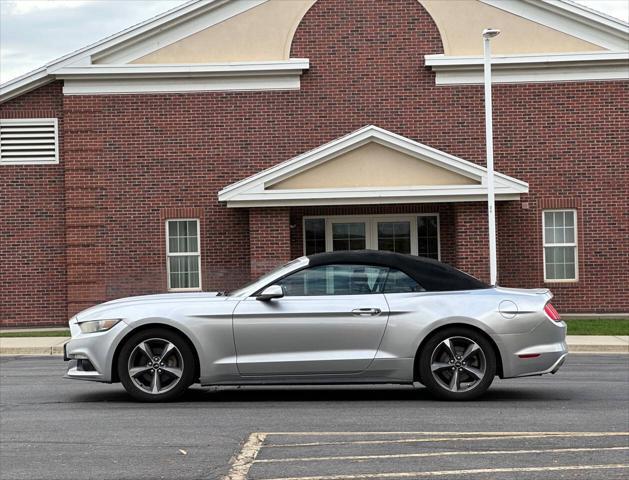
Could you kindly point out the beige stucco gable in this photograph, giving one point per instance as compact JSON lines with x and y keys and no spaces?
{"x":262,"y":33}
{"x":266,"y":31}
{"x":373,"y":165}
{"x":460,"y":23}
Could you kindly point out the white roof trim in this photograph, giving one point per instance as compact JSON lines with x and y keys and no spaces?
{"x":559,"y":67}
{"x":570,"y":18}
{"x":136,"y":33}
{"x":126,"y":79}
{"x":294,"y":65}
{"x":563,"y":15}
{"x":253,"y":191}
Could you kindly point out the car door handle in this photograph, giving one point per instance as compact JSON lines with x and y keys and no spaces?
{"x":367,"y":312}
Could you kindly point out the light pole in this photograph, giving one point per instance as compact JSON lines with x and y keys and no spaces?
{"x":488,"y":34}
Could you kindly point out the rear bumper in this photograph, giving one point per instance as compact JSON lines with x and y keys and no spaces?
{"x":540,"y":351}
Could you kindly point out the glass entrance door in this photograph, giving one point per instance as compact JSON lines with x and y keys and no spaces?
{"x":349,"y":236}
{"x":415,"y":234}
{"x":394,"y":236}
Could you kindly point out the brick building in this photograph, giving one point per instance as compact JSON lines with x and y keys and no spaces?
{"x":224,"y":137}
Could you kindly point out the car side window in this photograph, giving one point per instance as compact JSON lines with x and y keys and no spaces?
{"x":400,"y":282}
{"x":335,"y":280}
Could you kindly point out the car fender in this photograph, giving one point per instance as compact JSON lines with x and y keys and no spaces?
{"x":154,"y":322}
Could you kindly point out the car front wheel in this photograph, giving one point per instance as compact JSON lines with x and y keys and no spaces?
{"x":156,"y":365}
{"x":457,"y":364}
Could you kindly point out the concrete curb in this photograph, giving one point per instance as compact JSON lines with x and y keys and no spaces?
{"x":598,"y":343}
{"x":32,"y":345}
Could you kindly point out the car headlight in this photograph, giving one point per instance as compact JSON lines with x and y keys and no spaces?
{"x":94,"y":326}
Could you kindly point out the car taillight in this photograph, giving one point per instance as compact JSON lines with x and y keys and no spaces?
{"x":552,"y":313}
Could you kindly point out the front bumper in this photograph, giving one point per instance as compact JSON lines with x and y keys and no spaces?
{"x":90,"y":355}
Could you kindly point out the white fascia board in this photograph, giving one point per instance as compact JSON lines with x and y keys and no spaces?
{"x":570,"y":18}
{"x":441,"y":197}
{"x":24,"y":84}
{"x":255,"y":187}
{"x":179,"y":85}
{"x":128,"y":79}
{"x":583,"y":58}
{"x":293,"y":65}
{"x":455,"y":70}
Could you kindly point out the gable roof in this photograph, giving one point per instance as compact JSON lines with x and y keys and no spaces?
{"x":196,"y":14}
{"x":255,"y":191}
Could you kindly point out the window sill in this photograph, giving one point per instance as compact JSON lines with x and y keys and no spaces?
{"x":561,"y":284}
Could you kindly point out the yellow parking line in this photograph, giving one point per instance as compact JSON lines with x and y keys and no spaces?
{"x":447,"y":439}
{"x":242,"y":463}
{"x":442,"y":473}
{"x":437,"y":454}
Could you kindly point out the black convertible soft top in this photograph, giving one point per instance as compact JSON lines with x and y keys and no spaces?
{"x":434,"y":276}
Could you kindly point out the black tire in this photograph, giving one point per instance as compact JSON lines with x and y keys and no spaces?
{"x":434,"y":351}
{"x":175,"y":375}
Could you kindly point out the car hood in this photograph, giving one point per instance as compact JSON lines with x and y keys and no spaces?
{"x":113,"y":307}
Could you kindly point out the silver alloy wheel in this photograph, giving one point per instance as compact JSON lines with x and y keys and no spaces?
{"x":458,"y":364}
{"x":155,"y":365}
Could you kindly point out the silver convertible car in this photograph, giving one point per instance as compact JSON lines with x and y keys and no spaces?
{"x":330,"y":318}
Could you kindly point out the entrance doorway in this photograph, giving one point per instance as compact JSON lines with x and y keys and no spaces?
{"x":413,"y":234}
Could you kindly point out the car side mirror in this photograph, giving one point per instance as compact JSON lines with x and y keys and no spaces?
{"x":270,"y":292}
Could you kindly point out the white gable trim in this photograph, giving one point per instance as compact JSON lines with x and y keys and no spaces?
{"x":253,"y":191}
{"x":560,"y":67}
{"x":137,"y":33}
{"x":570,"y":18}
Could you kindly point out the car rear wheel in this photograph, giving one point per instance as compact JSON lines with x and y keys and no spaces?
{"x":156,"y":365}
{"x":457,"y":364}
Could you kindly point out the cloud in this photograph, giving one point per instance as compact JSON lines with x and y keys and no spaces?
{"x":34,"y":32}
{"x":615,"y":8}
{"x":23,"y":7}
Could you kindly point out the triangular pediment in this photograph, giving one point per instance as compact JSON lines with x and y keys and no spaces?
{"x":370,"y":165}
{"x":374,"y":165}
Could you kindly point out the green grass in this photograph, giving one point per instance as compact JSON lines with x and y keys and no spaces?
{"x":598,"y":326}
{"x":36,"y":333}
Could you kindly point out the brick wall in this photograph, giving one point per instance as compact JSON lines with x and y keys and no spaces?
{"x":32,"y":238}
{"x":132,"y":156}
{"x":270,"y":239}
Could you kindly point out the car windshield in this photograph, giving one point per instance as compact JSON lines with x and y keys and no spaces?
{"x":267,"y":276}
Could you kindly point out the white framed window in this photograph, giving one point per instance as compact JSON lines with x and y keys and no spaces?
{"x":183,"y":254}
{"x":560,"y":245}
{"x":29,"y":141}
{"x":417,"y":234}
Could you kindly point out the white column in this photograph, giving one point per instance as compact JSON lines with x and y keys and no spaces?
{"x":493,"y":268}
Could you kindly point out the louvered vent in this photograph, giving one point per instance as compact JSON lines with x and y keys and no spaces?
{"x":32,"y":140}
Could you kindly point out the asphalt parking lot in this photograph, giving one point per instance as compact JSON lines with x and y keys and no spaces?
{"x":571,"y":425}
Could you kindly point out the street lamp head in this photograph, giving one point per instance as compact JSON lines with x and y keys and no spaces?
{"x":491,"y":32}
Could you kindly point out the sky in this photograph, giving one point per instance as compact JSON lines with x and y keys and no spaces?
{"x":34,"y":32}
